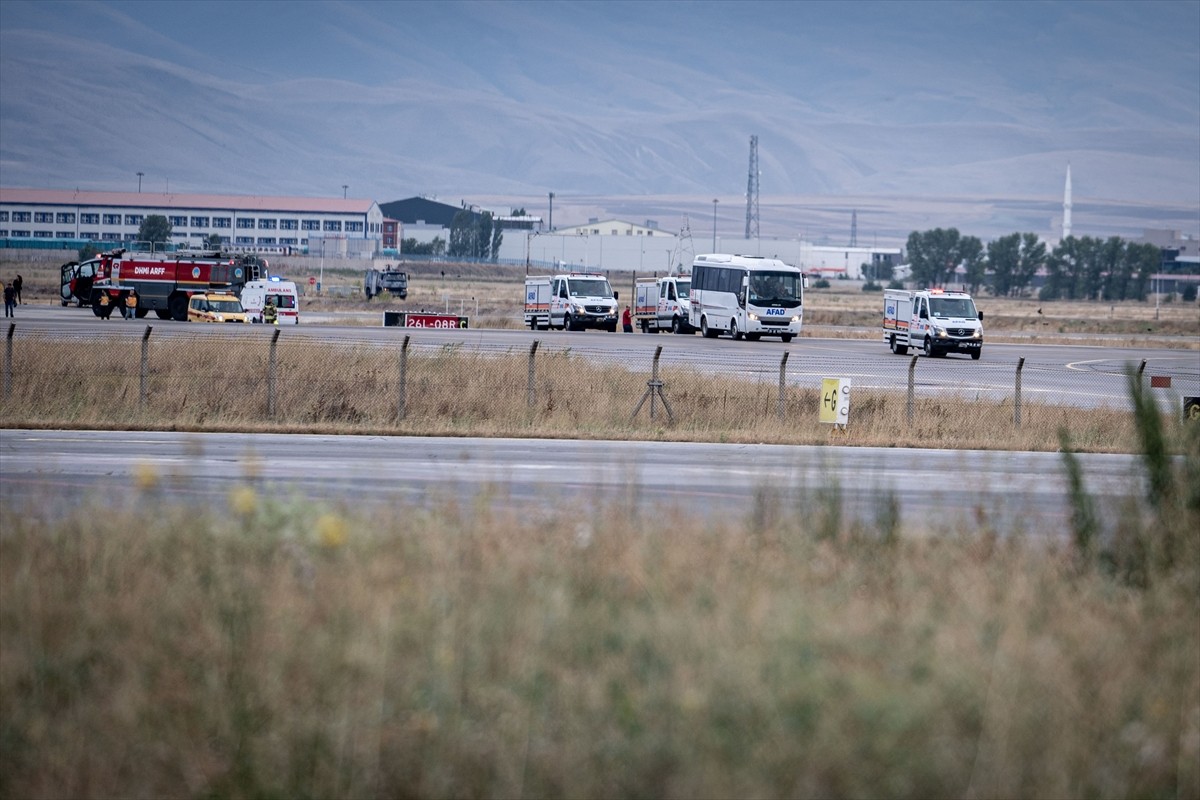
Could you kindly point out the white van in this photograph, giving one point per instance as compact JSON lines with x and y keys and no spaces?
{"x":282,"y":293}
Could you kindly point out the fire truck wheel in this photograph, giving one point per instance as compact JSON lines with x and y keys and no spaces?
{"x":141,"y":312}
{"x":162,"y":313}
{"x":177,"y":305}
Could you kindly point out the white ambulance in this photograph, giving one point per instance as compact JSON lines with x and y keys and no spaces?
{"x":933,"y":321}
{"x":282,"y":293}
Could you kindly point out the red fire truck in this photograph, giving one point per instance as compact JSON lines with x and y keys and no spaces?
{"x":144,"y":282}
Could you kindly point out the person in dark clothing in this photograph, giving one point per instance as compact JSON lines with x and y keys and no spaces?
{"x":9,"y":296}
{"x":18,"y":282}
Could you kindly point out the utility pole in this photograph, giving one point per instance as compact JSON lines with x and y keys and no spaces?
{"x":345,"y":186}
{"x":550,"y":223}
{"x":752,"y":191}
{"x":140,"y":174}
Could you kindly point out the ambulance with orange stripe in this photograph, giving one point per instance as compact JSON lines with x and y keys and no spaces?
{"x":932,"y":320}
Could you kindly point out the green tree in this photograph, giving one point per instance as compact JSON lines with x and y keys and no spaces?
{"x":933,"y":255}
{"x":88,"y":251}
{"x":971,"y":256}
{"x":155,"y":228}
{"x":1144,"y":260}
{"x":462,"y":234}
{"x":1032,"y":257}
{"x":1004,"y":255}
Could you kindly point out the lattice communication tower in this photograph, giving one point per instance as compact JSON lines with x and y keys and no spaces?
{"x":752,"y":192}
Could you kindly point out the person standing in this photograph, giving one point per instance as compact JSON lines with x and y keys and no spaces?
{"x":627,"y":321}
{"x":9,"y":296}
{"x":17,"y":284}
{"x":270,"y":315}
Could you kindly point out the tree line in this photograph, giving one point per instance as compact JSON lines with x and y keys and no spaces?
{"x":1083,"y":268}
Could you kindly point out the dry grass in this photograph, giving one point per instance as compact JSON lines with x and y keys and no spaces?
{"x":356,"y":389}
{"x":283,"y":649}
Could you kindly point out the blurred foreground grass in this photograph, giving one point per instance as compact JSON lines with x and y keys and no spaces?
{"x":268,"y":648}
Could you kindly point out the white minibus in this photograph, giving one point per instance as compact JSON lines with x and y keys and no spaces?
{"x":746,"y":296}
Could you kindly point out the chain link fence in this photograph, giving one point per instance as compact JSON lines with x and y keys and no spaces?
{"x":225,"y":378}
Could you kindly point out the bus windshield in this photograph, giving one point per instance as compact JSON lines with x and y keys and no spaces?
{"x":952,"y":307}
{"x":592,"y":287}
{"x":780,"y":289}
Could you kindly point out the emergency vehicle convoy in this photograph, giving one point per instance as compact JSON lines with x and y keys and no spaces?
{"x":162,"y":283}
{"x":746,"y":296}
{"x":935,"y":321}
{"x":572,"y":302}
{"x":662,"y":304}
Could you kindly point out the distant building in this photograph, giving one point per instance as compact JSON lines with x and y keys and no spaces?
{"x":262,"y":224}
{"x":612,"y":227}
{"x":845,"y":262}
{"x":423,"y":219}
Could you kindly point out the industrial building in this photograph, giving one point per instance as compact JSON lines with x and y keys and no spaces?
{"x":263,"y":224}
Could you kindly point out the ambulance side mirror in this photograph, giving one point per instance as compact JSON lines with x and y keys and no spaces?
{"x":981,"y":316}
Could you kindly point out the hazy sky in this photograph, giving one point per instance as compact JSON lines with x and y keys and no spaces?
{"x":902,"y":109}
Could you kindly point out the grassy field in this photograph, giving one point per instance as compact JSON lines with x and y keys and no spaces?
{"x":271,"y":647}
{"x":355,"y":389}
{"x":266,"y":646}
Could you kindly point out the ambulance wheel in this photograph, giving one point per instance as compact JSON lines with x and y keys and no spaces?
{"x":645,"y":325}
{"x":898,"y":349}
{"x":611,"y":327}
{"x":975,"y":354}
{"x":676,"y":325}
{"x":787,"y":337}
{"x":929,"y":351}
{"x":568,"y":323}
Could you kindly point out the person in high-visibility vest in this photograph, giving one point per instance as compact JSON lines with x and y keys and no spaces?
{"x":270,"y":316}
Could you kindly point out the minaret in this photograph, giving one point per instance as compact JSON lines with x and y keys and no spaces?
{"x":1067,"y":205}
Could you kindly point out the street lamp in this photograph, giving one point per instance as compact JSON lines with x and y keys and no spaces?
{"x":345,"y":186}
{"x":550,"y":223}
{"x":714,"y":225}
{"x":140,"y":174}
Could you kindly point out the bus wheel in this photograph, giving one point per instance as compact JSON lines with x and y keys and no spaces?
{"x":734,"y":333}
{"x":705,"y":331}
{"x":752,"y":337}
{"x":787,"y":337}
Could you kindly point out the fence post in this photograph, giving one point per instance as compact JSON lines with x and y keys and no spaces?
{"x":143,"y":390}
{"x":402,"y":399}
{"x":912,"y":383}
{"x":1017,"y":394}
{"x":653,"y":388}
{"x":532,"y":397}
{"x":272,"y":363}
{"x":782,"y":384}
{"x":12,"y":327}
